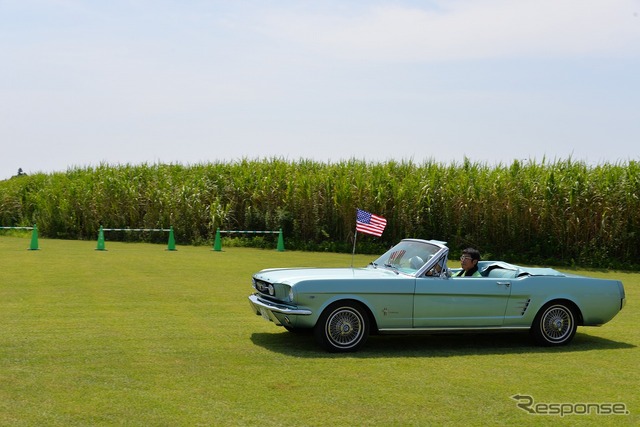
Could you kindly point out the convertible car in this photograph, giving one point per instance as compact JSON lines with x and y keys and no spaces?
{"x":409,"y":289}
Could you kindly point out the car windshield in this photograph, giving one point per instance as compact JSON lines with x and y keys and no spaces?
{"x":407,"y":256}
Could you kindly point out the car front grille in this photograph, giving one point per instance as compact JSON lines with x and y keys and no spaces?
{"x":261,"y":286}
{"x":266,"y":290}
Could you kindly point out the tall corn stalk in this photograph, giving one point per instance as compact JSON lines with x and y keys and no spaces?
{"x":560,"y":211}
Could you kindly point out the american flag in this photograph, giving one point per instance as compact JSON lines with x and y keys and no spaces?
{"x":396,"y":256}
{"x":369,"y":223}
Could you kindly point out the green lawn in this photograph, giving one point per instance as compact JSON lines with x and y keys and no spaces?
{"x":138,"y":335}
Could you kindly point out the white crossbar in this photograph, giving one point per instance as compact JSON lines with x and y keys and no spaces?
{"x":16,"y":228}
{"x":249,"y":232}
{"x":136,"y":229}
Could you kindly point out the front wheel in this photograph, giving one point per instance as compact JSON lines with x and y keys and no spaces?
{"x":555,"y":324}
{"x":342,"y":327}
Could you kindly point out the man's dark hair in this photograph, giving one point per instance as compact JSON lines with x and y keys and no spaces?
{"x":473,"y":253}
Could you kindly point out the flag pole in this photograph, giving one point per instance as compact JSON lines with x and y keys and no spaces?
{"x":355,"y":237}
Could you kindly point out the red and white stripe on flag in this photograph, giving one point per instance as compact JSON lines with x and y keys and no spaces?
{"x":369,"y":223}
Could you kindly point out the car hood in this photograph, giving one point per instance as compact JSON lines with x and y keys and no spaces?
{"x":291,"y":276}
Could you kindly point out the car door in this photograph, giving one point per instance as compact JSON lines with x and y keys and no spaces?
{"x":460,"y":302}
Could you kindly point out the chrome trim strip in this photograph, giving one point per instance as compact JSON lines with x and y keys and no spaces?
{"x":277,"y":308}
{"x":444,"y":329}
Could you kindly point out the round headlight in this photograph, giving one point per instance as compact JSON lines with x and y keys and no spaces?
{"x":272,"y":290}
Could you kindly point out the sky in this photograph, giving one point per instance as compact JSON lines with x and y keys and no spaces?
{"x":192,"y":81}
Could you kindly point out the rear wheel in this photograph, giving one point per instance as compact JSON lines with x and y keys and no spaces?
{"x":342,"y":327}
{"x":555,"y":324}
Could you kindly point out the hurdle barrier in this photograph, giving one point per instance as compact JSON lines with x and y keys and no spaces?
{"x":217,"y":243}
{"x":34,"y":235}
{"x":171,"y":244}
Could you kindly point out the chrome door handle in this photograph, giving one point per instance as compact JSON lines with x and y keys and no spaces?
{"x":507,"y":284}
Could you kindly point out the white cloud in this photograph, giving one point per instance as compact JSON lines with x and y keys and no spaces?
{"x":468,"y":29}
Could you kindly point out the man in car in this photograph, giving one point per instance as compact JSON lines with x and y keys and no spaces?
{"x":469,"y":263}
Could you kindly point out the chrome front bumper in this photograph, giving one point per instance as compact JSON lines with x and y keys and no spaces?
{"x":268,"y":309}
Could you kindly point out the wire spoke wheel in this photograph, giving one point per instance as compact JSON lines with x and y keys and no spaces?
{"x":554,"y":325}
{"x":343,"y":327}
{"x":557,"y":323}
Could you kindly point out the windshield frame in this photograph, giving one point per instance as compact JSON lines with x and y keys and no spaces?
{"x":402,"y":258}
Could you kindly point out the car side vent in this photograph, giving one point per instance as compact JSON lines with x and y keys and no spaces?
{"x":525,"y":305}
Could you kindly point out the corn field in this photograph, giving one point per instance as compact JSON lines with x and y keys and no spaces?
{"x":561,"y":212}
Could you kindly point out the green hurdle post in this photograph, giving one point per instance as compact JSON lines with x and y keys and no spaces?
{"x":171,"y":246}
{"x":217,"y":243}
{"x":34,"y":239}
{"x":280,"y":242}
{"x":100,"y":246}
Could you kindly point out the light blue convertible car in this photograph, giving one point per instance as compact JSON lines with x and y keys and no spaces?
{"x":409,"y":289}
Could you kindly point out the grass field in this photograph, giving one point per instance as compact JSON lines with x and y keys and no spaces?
{"x":138,"y":335}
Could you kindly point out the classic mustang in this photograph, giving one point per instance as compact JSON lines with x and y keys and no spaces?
{"x":410,"y":289}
